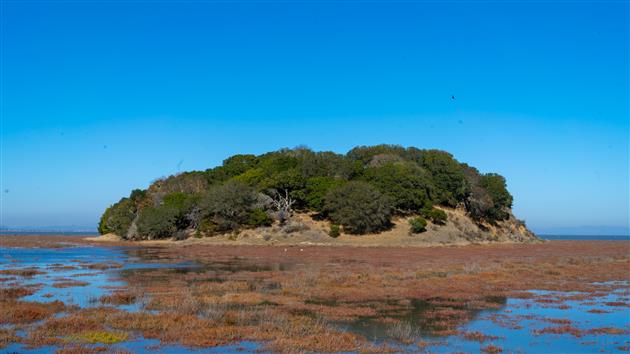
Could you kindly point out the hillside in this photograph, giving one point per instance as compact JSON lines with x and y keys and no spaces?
{"x":384,"y":192}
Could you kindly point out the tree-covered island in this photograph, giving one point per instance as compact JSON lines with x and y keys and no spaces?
{"x":369,"y":190}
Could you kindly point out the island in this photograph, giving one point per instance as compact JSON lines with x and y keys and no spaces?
{"x":372,"y":195}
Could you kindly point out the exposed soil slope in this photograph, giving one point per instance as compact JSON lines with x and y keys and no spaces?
{"x":304,"y":229}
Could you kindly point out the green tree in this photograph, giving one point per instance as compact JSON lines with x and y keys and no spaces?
{"x":232,"y":167}
{"x":496,"y":188}
{"x":157,"y":222}
{"x":252,"y":177}
{"x":489,"y":198}
{"x":228,"y":206}
{"x":278,"y":161}
{"x":183,"y":204}
{"x":238,"y":164}
{"x":187,"y":182}
{"x":290,"y":180}
{"x":328,"y":164}
{"x":447,"y":175}
{"x":118,"y":217}
{"x":366,"y":154}
{"x":316,"y":190}
{"x":137,"y":196}
{"x":102,"y":224}
{"x":358,"y":207}
{"x":407,"y":185}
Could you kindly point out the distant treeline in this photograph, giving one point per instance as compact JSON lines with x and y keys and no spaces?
{"x":360,"y":191}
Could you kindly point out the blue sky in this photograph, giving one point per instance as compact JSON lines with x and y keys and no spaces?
{"x":102,"y":97}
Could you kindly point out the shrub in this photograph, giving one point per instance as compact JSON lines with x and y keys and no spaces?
{"x":294,"y":226}
{"x":358,"y":207}
{"x":157,"y":222}
{"x":334,"y":231}
{"x":207,"y":227}
{"x":259,"y":217}
{"x":436,"y":216}
{"x":418,"y":225}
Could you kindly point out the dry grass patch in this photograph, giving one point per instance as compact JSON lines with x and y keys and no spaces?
{"x":598,"y":311}
{"x":101,"y":266}
{"x":27,"y":272}
{"x":576,"y":332}
{"x":69,"y":284}
{"x":119,"y":298}
{"x":608,"y":330}
{"x":15,"y":292}
{"x":21,"y":312}
{"x":492,"y":349}
{"x":323,"y":343}
{"x":479,"y":337}
{"x":80,"y":349}
{"x":58,"y":267}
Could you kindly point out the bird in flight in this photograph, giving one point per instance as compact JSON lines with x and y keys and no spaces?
{"x":452,"y":97}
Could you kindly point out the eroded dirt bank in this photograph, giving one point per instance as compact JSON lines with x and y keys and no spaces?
{"x":308,"y":229}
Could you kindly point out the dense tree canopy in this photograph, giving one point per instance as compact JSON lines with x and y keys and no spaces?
{"x":408,"y":185}
{"x":359,"y":191}
{"x":157,"y":222}
{"x":359,"y":207}
{"x":227,"y":206}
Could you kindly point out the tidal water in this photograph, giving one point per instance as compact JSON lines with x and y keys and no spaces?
{"x":586,"y":237}
{"x":514,"y":323}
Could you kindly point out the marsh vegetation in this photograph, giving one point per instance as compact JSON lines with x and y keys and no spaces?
{"x":322,"y":299}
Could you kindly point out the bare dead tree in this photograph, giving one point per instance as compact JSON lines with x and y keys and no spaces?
{"x":282,"y":204}
{"x":194,"y":216}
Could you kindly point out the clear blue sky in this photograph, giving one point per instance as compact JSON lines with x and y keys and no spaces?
{"x":102,"y":97}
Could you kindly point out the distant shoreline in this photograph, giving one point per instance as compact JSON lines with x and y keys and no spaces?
{"x":543,"y":236}
{"x":586,"y":237}
{"x":50,"y":233}
{"x":80,"y":234}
